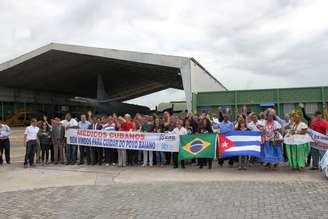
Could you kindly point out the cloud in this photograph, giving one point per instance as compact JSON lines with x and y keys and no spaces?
{"x":245,"y":44}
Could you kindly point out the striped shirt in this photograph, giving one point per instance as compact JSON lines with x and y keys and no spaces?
{"x":4,"y":131}
{"x":109,"y":127}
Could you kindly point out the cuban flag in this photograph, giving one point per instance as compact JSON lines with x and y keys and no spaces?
{"x":240,"y":143}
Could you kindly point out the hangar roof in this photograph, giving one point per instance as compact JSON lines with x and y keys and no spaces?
{"x":73,"y":70}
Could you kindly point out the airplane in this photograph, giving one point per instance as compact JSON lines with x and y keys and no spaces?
{"x":104,"y":105}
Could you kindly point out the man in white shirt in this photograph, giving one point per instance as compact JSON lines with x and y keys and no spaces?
{"x":30,"y":141}
{"x":252,"y":122}
{"x":70,"y":123}
{"x":179,"y":130}
{"x":4,"y":142}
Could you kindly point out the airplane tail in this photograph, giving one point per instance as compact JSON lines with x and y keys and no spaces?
{"x":101,"y":92}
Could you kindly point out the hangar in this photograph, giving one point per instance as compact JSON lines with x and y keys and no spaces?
{"x":50,"y":76}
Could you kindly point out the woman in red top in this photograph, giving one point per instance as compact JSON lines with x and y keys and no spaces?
{"x":123,"y":125}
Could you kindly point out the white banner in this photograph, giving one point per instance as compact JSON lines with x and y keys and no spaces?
{"x":124,"y":140}
{"x":320,"y":140}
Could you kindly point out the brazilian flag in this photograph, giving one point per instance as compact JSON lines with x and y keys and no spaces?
{"x":197,"y":146}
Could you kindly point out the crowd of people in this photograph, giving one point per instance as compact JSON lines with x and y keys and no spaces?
{"x":46,"y":140}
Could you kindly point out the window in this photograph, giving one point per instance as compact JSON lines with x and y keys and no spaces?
{"x":289,"y":107}
{"x":245,"y":108}
{"x":64,"y":108}
{"x":227,"y":108}
{"x":311,"y":108}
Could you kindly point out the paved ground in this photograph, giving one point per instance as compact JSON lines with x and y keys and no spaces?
{"x":136,"y":192}
{"x":171,"y":200}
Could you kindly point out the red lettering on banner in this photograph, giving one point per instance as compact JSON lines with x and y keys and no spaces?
{"x":104,"y":134}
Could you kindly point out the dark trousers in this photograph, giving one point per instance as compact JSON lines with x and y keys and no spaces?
{"x":84,"y":154}
{"x":52,"y":153}
{"x":204,"y":161}
{"x":285,"y":153}
{"x":168,"y":157}
{"x":30,"y":151}
{"x":71,"y":154}
{"x":221,"y":161}
{"x":93,"y":155}
{"x":88,"y":153}
{"x":45,"y":151}
{"x":316,"y":156}
{"x":132,"y":156}
{"x":107,"y":155}
{"x":176,"y":160}
{"x":309,"y":157}
{"x":97,"y":153}
{"x":5,"y":146}
{"x":110,"y":155}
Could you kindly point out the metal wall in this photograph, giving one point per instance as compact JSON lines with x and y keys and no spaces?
{"x":284,"y":99}
{"x":19,"y":100}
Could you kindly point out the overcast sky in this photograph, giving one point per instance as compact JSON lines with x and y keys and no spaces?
{"x":245,"y":44}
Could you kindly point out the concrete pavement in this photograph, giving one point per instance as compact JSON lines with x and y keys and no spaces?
{"x":15,"y":177}
{"x":60,"y":191}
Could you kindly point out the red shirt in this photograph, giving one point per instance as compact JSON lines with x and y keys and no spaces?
{"x":319,"y":125}
{"x":127,"y":126}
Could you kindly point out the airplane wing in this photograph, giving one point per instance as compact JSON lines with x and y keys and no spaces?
{"x":91,"y":100}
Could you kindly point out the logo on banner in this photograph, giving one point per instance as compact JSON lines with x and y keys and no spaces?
{"x":196,"y":146}
{"x":164,"y":137}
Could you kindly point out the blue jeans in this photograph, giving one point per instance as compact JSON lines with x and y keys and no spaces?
{"x":71,"y":154}
{"x":160,"y":157}
{"x":243,"y":161}
{"x":30,"y":151}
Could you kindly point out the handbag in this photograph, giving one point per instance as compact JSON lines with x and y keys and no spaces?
{"x":277,"y":138}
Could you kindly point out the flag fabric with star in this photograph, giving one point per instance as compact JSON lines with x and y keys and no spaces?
{"x":197,"y":146}
{"x":239,"y":143}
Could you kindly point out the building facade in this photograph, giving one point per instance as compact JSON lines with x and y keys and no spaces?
{"x":284,"y":100}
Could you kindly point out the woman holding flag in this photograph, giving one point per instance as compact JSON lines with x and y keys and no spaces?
{"x":242,"y":126}
{"x":272,"y":153}
{"x":206,"y":127}
{"x":297,"y":143}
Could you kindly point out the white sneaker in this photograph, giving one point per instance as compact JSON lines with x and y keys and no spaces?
{"x":107,"y":165}
{"x":144,"y":164}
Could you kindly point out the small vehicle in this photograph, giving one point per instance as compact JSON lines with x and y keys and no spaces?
{"x":21,"y":118}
